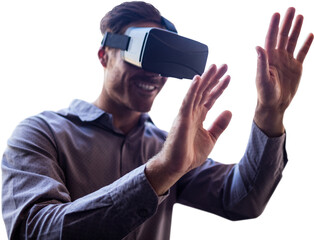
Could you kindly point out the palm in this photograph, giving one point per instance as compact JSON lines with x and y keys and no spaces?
{"x":278,"y":79}
{"x":191,"y":142}
{"x":203,"y":144}
{"x":284,"y":77}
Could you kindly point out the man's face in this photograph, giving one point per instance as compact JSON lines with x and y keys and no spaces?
{"x":129,"y":87}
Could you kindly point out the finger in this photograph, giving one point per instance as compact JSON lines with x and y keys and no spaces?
{"x":285,"y":28}
{"x":293,"y":39}
{"x":271,"y":37}
{"x":211,"y":78}
{"x":220,"y":124}
{"x":220,"y":72}
{"x":262,"y":64}
{"x":210,"y":72}
{"x":191,"y":95}
{"x":206,"y":79}
{"x":211,"y":83}
{"x":216,"y":92}
{"x":305,"y":48}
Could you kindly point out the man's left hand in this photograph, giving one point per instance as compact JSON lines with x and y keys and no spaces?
{"x":279,"y":72}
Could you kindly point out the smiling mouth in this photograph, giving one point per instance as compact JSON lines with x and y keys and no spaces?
{"x":146,"y":86}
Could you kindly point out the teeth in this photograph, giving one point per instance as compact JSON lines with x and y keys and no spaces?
{"x":146,"y":86}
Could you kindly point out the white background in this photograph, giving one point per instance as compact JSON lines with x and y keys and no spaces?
{"x":48,"y":56}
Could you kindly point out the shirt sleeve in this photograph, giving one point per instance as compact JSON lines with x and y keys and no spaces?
{"x":37,"y":205}
{"x":237,"y":191}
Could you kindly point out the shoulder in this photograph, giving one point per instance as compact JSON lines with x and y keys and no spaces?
{"x":33,"y":129}
{"x":42,"y":121}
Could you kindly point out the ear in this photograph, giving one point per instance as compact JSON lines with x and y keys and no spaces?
{"x":103,"y":56}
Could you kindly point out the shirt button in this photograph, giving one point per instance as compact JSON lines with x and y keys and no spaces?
{"x":142,"y":212}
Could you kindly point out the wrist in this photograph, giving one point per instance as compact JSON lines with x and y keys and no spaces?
{"x":159,"y":175}
{"x":269,"y":120}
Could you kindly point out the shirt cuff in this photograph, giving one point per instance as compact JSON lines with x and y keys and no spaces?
{"x":264,"y":152}
{"x":133,"y":198}
{"x":275,"y":146}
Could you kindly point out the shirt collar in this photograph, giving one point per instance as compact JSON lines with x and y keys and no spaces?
{"x":88,"y":112}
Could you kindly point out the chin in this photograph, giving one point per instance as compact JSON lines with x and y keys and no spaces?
{"x":140,"y":105}
{"x":143,"y":108}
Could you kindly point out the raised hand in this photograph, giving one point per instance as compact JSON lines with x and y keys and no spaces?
{"x":279,"y":71}
{"x":188,"y":139}
{"x":189,"y":144}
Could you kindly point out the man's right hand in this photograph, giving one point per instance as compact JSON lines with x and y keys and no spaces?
{"x":189,"y":144}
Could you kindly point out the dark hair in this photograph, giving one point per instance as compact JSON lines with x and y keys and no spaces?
{"x":129,"y":12}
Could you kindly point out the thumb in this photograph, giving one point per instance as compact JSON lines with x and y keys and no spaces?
{"x":220,"y":124}
{"x":262,"y":64}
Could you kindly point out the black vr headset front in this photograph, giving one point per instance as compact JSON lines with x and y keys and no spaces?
{"x":160,"y":51}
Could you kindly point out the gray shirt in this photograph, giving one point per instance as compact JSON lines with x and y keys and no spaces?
{"x":72,"y":175}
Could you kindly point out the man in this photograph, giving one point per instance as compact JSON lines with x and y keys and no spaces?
{"x":104,"y":171}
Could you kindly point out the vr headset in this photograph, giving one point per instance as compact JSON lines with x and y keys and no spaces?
{"x":160,"y":51}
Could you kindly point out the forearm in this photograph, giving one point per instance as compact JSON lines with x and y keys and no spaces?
{"x":115,"y":210}
{"x":111,"y":212}
{"x":239,"y":191}
{"x":255,"y":178}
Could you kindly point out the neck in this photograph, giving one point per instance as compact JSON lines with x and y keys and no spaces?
{"x":123,"y":119}
{"x":125,"y":122}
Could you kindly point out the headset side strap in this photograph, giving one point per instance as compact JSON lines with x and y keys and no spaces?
{"x":115,"y":41}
